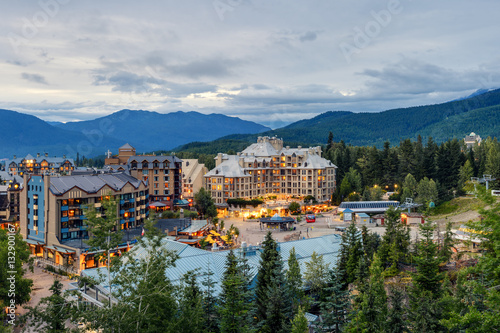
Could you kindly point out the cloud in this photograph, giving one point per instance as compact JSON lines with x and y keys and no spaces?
{"x":36,"y":78}
{"x":414,"y":77}
{"x":128,"y":82}
{"x":308,"y":36}
{"x":212,"y":67}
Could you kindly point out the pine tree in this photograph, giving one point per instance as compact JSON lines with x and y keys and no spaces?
{"x":190,"y":298}
{"x":279,"y":311}
{"x":395,"y":241}
{"x":209,"y":304}
{"x":234,"y":305}
{"x":427,"y":276}
{"x":300,"y":323}
{"x":372,"y":312}
{"x":334,"y":307}
{"x":316,"y":275}
{"x":270,"y":284}
{"x":429,"y":159}
{"x":349,"y":254}
{"x":396,"y":322}
{"x":294,"y":281}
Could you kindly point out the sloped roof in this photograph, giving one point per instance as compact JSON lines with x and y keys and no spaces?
{"x":228,"y":168}
{"x":263,"y":149}
{"x":314,"y":161}
{"x":151,"y":159}
{"x":126,"y":146}
{"x":92,"y":183}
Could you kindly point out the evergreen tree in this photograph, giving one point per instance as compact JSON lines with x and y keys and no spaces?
{"x":396,"y":322}
{"x":395,"y":241}
{"x":465,"y":174}
{"x":419,"y":159}
{"x":270,"y":287}
{"x":330,"y":140}
{"x":349,"y":254}
{"x":493,"y":160}
{"x":445,"y":251}
{"x":429,"y":159}
{"x":299,"y":323}
{"x":409,"y":187}
{"x":316,"y":274}
{"x":406,"y":158}
{"x":372,"y":312}
{"x":334,"y":307}
{"x":426,"y":191}
{"x":294,"y":281}
{"x":209,"y":304}
{"x":427,"y":276}
{"x":234,"y":305}
{"x":279,"y":312}
{"x":190,"y":309}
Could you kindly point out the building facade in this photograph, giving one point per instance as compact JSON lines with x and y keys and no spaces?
{"x":193,"y":174}
{"x":9,"y":199}
{"x":266,"y":168}
{"x":471,"y":139}
{"x":163,"y":173}
{"x":52,"y":218}
{"x":40,"y":165}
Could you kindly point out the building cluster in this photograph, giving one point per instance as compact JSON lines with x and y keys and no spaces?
{"x":45,"y":197}
{"x":268,"y":169}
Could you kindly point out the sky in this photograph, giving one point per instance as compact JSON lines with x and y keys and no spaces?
{"x":272,"y":62}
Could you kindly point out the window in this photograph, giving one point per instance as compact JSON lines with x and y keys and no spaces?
{"x":166,"y":178}
{"x":145,"y":172}
{"x":166,"y":192}
{"x":156,"y":177}
{"x":156,"y":192}
{"x":156,"y":171}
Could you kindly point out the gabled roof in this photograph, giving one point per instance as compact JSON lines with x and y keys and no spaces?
{"x":151,"y":159}
{"x":228,"y":168}
{"x":126,"y":146}
{"x":92,"y":183}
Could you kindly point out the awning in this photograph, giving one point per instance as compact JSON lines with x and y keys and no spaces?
{"x":181,"y":202}
{"x":157,"y":204}
{"x":34,"y":242}
{"x":60,"y":249}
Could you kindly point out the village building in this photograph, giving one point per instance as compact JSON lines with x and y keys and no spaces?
{"x":268,"y":169}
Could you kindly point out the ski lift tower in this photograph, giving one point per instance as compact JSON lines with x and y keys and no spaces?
{"x":486,"y":179}
{"x":409,"y":204}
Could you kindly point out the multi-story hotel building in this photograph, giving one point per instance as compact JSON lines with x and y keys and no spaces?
{"x":267,"y":168}
{"x":192,"y":178}
{"x":40,"y":165}
{"x":163,"y":173}
{"x":52,"y":212}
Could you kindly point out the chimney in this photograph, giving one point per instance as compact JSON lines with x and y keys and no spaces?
{"x":46,"y":154}
{"x":219,"y":159}
{"x":37,"y":155}
{"x":64,"y":156}
{"x":299,"y":147}
{"x":15,"y":156}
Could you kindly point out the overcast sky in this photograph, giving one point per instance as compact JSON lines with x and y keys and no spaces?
{"x":269,"y":61}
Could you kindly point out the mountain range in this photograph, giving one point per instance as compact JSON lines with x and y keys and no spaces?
{"x":145,"y":130}
{"x":192,"y":131}
{"x":479,"y":113}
